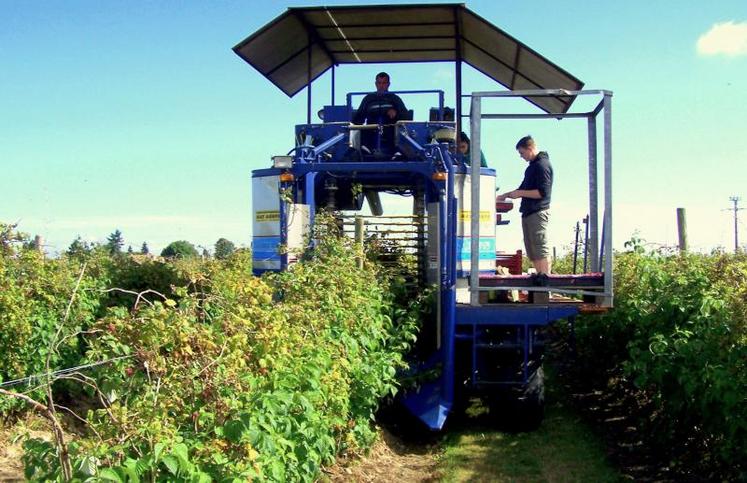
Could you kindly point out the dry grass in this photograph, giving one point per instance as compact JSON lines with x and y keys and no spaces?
{"x":11,"y":444}
{"x":390,"y":459}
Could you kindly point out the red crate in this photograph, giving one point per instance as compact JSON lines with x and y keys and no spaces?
{"x":512,"y":261}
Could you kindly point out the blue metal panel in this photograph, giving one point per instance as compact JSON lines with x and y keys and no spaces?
{"x":474,"y":355}
{"x":449,"y":293}
{"x":527,"y":348}
{"x":433,"y":401}
{"x":266,"y":248}
{"x":517,"y":314}
{"x":336,"y":113}
{"x":429,"y":405}
{"x":421,"y":167}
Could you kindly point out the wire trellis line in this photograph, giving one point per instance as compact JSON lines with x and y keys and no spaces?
{"x":60,"y":372}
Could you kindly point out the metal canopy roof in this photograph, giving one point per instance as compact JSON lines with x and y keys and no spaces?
{"x":303,"y":43}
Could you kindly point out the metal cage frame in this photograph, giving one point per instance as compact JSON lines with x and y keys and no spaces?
{"x":605,"y":107}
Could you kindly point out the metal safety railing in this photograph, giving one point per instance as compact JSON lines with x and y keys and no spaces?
{"x":605,"y":108}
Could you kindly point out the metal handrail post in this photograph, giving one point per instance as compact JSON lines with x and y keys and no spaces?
{"x":593,"y":225}
{"x":608,"y":259}
{"x":474,"y":273}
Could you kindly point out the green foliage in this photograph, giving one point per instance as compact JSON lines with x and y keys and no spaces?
{"x":231,"y":376}
{"x":180,"y":249}
{"x":34,"y":296}
{"x":79,"y":248}
{"x":138,"y":274}
{"x":224,"y":248}
{"x":115,"y":242}
{"x":679,"y":331}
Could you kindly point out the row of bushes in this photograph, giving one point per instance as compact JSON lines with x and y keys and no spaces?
{"x":218,"y":376}
{"x":36,"y":299}
{"x":678,"y":333}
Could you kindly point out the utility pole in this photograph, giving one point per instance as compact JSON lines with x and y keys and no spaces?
{"x":682,"y":229}
{"x":38,"y":243}
{"x":736,"y":209}
{"x":586,"y":241}
{"x":577,"y":230}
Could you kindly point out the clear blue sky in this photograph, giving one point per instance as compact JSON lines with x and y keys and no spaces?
{"x":138,"y":116}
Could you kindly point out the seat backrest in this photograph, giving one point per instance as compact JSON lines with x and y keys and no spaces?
{"x":448,"y":114}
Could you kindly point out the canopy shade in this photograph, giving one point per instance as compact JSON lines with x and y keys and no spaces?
{"x":303,"y":43}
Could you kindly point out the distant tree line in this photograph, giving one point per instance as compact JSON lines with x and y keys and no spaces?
{"x":115,"y":242}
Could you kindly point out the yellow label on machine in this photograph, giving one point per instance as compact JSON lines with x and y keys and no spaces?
{"x":267,"y":216}
{"x":467,"y":216}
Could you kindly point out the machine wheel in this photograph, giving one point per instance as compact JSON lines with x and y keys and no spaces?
{"x":530,"y":404}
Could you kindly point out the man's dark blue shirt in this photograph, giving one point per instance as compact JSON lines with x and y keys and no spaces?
{"x":537,"y":176}
{"x":374,"y":108}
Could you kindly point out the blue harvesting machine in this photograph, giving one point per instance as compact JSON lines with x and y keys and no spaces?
{"x":484,"y":336}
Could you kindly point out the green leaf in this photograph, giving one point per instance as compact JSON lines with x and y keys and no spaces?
{"x":201,"y":478}
{"x":171,"y":463}
{"x":108,"y":474}
{"x":158,"y":451}
{"x":131,"y":471}
{"x":88,"y":465}
{"x":144,"y":464}
{"x":181,"y":451}
{"x":112,"y":396}
{"x":233,"y":430}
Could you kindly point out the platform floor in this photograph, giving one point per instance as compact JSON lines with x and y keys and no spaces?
{"x":583,"y":280}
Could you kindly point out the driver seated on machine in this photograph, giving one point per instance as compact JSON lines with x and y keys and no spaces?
{"x":384,"y":108}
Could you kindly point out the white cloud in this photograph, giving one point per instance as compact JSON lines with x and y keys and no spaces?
{"x":726,"y":38}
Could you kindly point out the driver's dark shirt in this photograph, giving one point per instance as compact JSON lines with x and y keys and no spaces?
{"x":374,"y":107}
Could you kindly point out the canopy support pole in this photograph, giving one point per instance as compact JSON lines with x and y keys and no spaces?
{"x":458,"y":73}
{"x":333,"y":85}
{"x":308,"y":80}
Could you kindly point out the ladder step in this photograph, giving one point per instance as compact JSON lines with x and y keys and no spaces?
{"x":498,"y":383}
{"x":499,"y":346}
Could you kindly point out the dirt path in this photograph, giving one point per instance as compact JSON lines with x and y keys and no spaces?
{"x":11,"y":445}
{"x":11,"y":468}
{"x":391,"y":459}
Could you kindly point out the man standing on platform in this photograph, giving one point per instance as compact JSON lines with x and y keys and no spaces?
{"x":535,"y":193}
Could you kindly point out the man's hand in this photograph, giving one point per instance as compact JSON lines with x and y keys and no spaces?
{"x":392,"y":113}
{"x":508,"y":194}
